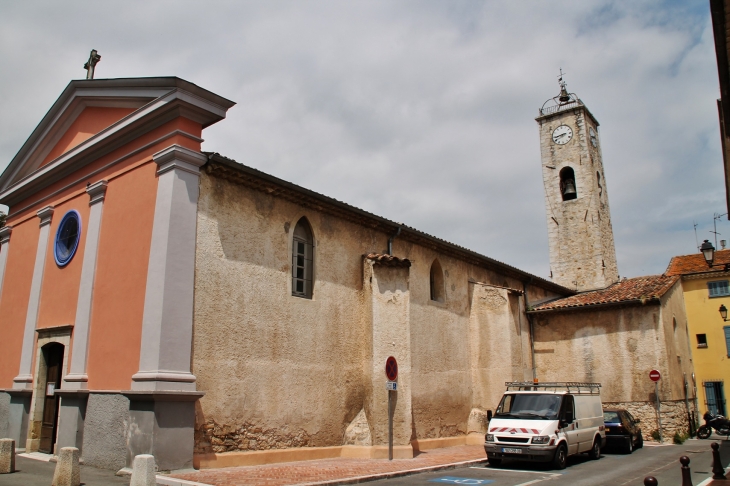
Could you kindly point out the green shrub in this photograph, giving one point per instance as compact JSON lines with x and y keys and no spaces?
{"x":680,"y":438}
{"x":655,"y":435}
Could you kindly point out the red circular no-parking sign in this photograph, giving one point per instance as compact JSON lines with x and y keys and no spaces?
{"x":655,"y":375}
{"x":391,"y":368}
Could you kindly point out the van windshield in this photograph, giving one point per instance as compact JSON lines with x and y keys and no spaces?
{"x":529,"y":406}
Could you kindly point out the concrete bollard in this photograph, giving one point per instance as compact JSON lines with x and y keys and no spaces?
{"x":143,"y":470}
{"x":7,"y":456}
{"x":650,"y":481}
{"x":67,"y":471}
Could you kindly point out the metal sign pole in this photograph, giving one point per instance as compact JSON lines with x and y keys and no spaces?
{"x":658,"y":409}
{"x":390,"y":427}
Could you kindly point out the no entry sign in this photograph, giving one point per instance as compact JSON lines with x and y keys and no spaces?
{"x":391,"y":368}
{"x":655,"y":375}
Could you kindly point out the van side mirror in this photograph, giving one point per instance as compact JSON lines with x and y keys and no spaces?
{"x":489,"y":415}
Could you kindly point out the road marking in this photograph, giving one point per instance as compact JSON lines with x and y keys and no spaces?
{"x":530,"y":482}
{"x":516,"y":470}
{"x":464,"y":481}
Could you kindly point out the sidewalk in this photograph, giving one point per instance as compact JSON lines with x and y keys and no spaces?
{"x":336,"y":471}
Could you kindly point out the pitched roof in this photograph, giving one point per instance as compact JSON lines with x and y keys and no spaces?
{"x":226,"y":168}
{"x":632,"y":291}
{"x":695,"y":263}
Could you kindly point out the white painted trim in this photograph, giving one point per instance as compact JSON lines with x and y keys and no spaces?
{"x":45,"y":215}
{"x":96,"y":192}
{"x":5,"y":233}
{"x":167,"y":322}
{"x":77,"y":377}
{"x":24,"y":378}
{"x":110,"y":164}
{"x":117,"y":133}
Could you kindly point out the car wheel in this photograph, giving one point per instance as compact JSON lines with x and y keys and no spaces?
{"x":561,"y":457}
{"x":493,"y":461}
{"x":640,"y":442}
{"x":630,"y":446}
{"x":595,"y":452}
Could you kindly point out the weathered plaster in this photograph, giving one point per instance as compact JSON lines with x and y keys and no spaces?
{"x":281,"y":371}
{"x":582,"y":252}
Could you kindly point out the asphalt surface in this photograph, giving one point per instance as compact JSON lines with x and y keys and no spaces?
{"x":31,"y":472}
{"x":614,"y":468}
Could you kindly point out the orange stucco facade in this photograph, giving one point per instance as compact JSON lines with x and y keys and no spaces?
{"x":120,"y":281}
{"x":124,"y":155}
{"x":14,"y":298}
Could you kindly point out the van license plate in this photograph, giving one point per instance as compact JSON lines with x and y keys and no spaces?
{"x":507,"y":450}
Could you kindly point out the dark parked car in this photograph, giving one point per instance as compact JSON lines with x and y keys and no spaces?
{"x":622,"y":430}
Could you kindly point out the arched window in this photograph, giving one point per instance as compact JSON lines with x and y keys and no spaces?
{"x":302,"y":259}
{"x":437,"y":282}
{"x":567,"y":184}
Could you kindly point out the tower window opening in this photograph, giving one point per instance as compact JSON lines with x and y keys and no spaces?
{"x":437,"y":282}
{"x":567,"y":184}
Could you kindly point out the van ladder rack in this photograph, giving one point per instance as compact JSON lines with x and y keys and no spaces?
{"x":528,"y":386}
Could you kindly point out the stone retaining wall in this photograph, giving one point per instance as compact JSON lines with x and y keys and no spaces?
{"x":674,"y":416}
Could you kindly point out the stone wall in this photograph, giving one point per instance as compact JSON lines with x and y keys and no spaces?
{"x":673,"y":414}
{"x":280,"y":371}
{"x":105,"y":431}
{"x":4,"y":416}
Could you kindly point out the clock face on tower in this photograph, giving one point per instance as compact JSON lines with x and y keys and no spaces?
{"x":562,"y":135}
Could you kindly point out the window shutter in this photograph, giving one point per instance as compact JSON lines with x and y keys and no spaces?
{"x":727,"y":339}
{"x":718,"y":288}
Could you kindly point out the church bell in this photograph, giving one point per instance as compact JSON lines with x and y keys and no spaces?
{"x":569,"y":189}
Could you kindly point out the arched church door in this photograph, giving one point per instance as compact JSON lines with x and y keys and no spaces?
{"x":53,"y":354}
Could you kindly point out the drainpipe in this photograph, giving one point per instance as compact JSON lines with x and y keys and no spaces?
{"x":390,"y":241}
{"x":532,"y":331}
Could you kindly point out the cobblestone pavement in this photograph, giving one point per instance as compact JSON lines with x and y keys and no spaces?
{"x":334,"y":471}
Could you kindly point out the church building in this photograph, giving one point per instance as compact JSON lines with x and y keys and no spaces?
{"x":155,"y":298}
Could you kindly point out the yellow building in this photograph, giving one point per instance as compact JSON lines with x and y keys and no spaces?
{"x":705,"y":289}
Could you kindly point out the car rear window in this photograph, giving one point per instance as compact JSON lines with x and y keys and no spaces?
{"x":611,"y":417}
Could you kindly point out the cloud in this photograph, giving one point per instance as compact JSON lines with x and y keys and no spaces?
{"x":422,"y":112}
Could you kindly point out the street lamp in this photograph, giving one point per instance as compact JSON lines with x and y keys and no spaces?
{"x":723,"y":312}
{"x":708,"y":251}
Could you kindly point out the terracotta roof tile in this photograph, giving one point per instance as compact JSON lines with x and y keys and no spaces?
{"x":388,"y":260}
{"x":695,"y":263}
{"x":639,"y":290}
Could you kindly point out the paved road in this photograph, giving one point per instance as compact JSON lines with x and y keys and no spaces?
{"x":30,"y":472}
{"x":616,"y":469}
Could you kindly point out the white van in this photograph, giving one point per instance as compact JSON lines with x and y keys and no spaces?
{"x":546,"y":422}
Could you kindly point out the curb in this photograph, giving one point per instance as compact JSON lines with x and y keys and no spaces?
{"x":395,"y":474}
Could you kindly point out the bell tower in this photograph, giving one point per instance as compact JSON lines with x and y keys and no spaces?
{"x":582,"y":252}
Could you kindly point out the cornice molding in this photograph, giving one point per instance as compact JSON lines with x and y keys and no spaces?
{"x":45,"y":215}
{"x":97,"y":192}
{"x":5,"y":233}
{"x":179,"y":157}
{"x":177,"y":98}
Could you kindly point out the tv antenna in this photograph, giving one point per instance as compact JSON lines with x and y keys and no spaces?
{"x":714,"y":222}
{"x":697,"y":241}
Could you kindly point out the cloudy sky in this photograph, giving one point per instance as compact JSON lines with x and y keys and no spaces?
{"x":421,"y":112}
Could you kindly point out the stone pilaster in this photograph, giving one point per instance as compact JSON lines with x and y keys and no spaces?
{"x":167,"y":323}
{"x":24,"y":378}
{"x":388,"y":301}
{"x":77,"y":379}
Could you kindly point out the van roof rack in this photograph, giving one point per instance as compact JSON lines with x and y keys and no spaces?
{"x":568,"y":385}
